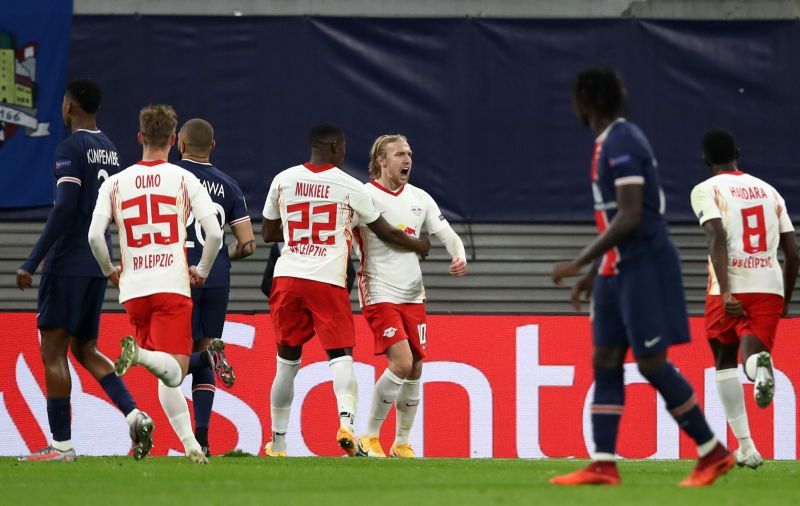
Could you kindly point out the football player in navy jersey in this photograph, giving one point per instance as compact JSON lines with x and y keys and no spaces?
{"x":635,"y":283}
{"x":195,"y":143}
{"x":73,"y":287}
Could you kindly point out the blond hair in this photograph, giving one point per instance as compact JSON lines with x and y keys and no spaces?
{"x":157,"y":123}
{"x":379,"y":151}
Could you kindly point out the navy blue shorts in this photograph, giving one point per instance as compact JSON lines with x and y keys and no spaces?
{"x":208,"y":313}
{"x":643,"y":306}
{"x":73,"y":303}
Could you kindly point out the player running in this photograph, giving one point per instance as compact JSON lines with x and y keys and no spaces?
{"x":151,"y":202}
{"x":635,"y":283}
{"x":73,"y":288}
{"x":745,"y":221}
{"x":210,"y":301}
{"x":391,"y":292}
{"x":318,"y":204}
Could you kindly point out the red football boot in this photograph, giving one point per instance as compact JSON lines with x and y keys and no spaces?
{"x":718,"y":462}
{"x":596,"y":473}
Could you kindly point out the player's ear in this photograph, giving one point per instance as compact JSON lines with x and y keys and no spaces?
{"x":140,"y":138}
{"x":172,"y":139}
{"x":213,"y":145}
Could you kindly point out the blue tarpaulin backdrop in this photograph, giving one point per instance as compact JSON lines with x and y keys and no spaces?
{"x":485,"y":102}
{"x":34,"y":35}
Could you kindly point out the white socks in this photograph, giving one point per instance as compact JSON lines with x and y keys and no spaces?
{"x":281,"y":398}
{"x":406,"y":406}
{"x":177,"y":411}
{"x":162,"y":365}
{"x":730,"y":392}
{"x":345,"y":388}
{"x":384,"y":395}
{"x":62,"y":446}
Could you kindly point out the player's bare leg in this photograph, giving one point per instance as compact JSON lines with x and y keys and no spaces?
{"x":731,"y":394}
{"x":609,"y":398}
{"x":53,"y":348}
{"x":406,"y":406}
{"x":758,"y":367}
{"x":281,"y":396}
{"x":345,"y":388}
{"x":140,"y":424}
{"x":387,"y":388}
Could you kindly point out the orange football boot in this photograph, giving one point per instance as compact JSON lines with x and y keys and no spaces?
{"x":718,"y":462}
{"x":596,"y":473}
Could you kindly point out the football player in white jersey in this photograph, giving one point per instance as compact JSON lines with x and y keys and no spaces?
{"x":150,"y":202}
{"x":317,"y":205}
{"x":745,"y":221}
{"x":391,"y":292}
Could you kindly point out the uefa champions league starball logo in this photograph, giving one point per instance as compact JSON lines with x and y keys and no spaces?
{"x":18,"y":90}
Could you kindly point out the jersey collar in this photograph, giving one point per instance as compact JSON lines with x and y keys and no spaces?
{"x":604,"y":134}
{"x":390,"y":192}
{"x":316,"y":169}
{"x":736,"y":172}
{"x":150,"y":163}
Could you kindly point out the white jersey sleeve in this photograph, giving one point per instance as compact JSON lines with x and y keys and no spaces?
{"x":103,"y":204}
{"x":272,"y":210}
{"x":202,"y":205}
{"x":434,"y":219}
{"x":784,"y":222}
{"x":703,"y":203}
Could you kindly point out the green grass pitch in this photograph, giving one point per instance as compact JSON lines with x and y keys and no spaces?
{"x":331,"y":481}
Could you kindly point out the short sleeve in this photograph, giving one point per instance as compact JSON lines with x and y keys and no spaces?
{"x":434,"y":219}
{"x":703,"y":203}
{"x":361,"y":202}
{"x":784,"y":222}
{"x":67,"y":165}
{"x":240,"y":214}
{"x":103,"y":205}
{"x":202,"y":205}
{"x":271,"y":209}
{"x":626,"y":161}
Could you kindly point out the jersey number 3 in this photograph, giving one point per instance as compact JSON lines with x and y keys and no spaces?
{"x":307,"y":222}
{"x":754,"y":237}
{"x":150,"y":215}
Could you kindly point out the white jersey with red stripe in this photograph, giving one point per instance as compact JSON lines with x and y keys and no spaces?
{"x":388,"y":274}
{"x":753,"y":215}
{"x":150,"y":203}
{"x":318,"y":206}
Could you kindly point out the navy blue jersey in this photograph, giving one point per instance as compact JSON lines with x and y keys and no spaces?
{"x":231,"y":208}
{"x":86,"y":158}
{"x":622,"y":155}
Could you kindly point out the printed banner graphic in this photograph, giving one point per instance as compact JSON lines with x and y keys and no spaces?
{"x":34,"y":36}
{"x":494,"y":386}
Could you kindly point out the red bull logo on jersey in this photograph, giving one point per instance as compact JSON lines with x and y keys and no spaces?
{"x":17,"y":83}
{"x":408,"y":230}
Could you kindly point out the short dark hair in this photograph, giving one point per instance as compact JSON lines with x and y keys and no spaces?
{"x":719,"y":147}
{"x":602,"y":88}
{"x":86,"y":92}
{"x":324,"y":133}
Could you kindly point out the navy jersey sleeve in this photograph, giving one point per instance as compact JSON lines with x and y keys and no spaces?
{"x":626,"y":160}
{"x":68,"y":163}
{"x":239,"y":213}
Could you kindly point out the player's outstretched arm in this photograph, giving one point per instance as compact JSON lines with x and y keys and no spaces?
{"x":271,"y":230}
{"x":245,"y":244}
{"x":718,"y":253}
{"x":391,"y":235}
{"x":790,"y":266}
{"x":67,"y":195}
{"x":627,"y":219}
